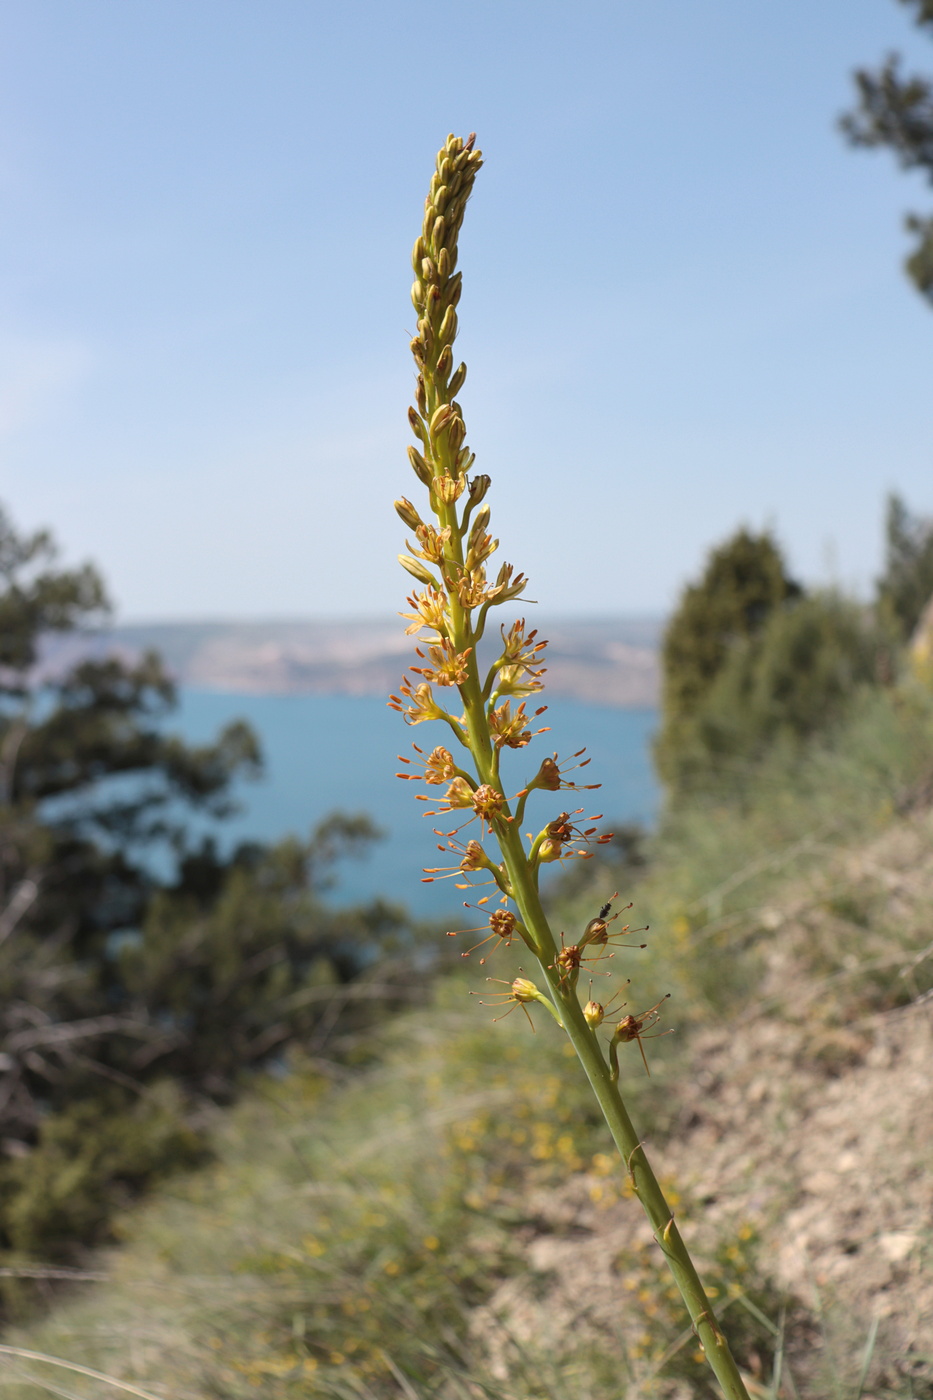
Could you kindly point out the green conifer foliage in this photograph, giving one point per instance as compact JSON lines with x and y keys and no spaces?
{"x":744,"y":581}
{"x":797,"y":677}
{"x":906,"y":585}
{"x":751,"y":662}
{"x":895,"y":110}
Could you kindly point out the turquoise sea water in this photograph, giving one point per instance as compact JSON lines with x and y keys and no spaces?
{"x":325,"y":752}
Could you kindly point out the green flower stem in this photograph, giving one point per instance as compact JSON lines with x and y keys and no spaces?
{"x":589,"y":1051}
{"x":443,"y":468}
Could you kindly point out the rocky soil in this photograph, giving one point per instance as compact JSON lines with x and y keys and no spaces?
{"x":806,"y":1125}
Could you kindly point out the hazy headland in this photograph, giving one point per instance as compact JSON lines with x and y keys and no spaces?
{"x":605,"y":661}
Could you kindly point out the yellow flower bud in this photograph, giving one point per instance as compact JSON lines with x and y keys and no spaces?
{"x":478,"y":488}
{"x":456,"y":433}
{"x":417,"y":570}
{"x":419,"y":466}
{"x":447,"y":330}
{"x":406,"y":511}
{"x":440,"y":418}
{"x":458,"y":379}
{"x":593,"y":1014}
{"x":478,"y":528}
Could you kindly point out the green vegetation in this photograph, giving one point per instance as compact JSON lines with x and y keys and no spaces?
{"x":128,"y":1001}
{"x":427,"y":1213}
{"x":906,"y":586}
{"x":416,"y":1205}
{"x":751,"y":662}
{"x":896,"y":112}
{"x":745,"y":580}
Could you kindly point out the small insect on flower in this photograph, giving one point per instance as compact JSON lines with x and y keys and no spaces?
{"x":631,"y":1028}
{"x":597,"y":931}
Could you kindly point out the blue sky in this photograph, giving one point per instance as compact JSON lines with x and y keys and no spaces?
{"x":683,"y":306}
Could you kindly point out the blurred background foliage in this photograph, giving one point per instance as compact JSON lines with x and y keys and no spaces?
{"x":128,"y":998}
{"x":137,"y":1006}
{"x":752,"y":661}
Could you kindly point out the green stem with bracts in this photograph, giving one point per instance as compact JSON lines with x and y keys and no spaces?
{"x":449,"y":559}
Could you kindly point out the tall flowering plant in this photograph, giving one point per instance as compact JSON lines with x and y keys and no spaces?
{"x":449,"y":616}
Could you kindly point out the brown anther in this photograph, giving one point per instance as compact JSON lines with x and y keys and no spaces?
{"x":487,"y":802}
{"x":633,"y":1027}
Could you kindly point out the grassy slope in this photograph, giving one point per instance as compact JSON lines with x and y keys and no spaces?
{"x":447,"y":1216}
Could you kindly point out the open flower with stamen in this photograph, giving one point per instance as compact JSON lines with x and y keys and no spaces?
{"x":448,"y":666}
{"x":570,"y":959}
{"x":423,"y":705}
{"x":506,"y":587}
{"x":472,"y":859}
{"x":459,"y":794}
{"x":503,"y":924}
{"x":510,"y":730}
{"x":433,"y":543}
{"x":519,"y":649}
{"x":520,"y":992}
{"x":555,"y":841}
{"x":517,"y":680}
{"x":486,"y":802}
{"x":550,"y":776}
{"x":437,"y":767}
{"x":430,"y":612}
{"x":630,"y":1028}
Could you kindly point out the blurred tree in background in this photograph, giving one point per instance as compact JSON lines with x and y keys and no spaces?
{"x":751,"y":661}
{"x":896,"y":111}
{"x":744,"y":581}
{"x":906,"y":586}
{"x":126,"y":997}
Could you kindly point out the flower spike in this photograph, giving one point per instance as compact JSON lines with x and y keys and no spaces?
{"x":453,"y":542}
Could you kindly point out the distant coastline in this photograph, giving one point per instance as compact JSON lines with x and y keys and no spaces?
{"x":607,"y":661}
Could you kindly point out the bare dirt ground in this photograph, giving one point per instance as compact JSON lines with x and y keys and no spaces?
{"x":809,"y":1124}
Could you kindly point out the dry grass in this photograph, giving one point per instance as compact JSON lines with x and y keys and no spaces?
{"x":447,"y":1219}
